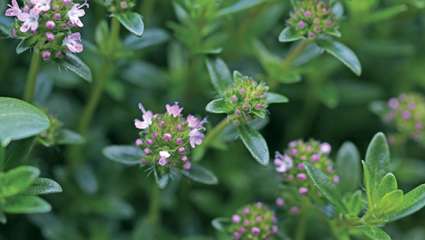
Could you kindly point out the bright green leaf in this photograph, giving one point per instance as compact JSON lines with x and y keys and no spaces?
{"x":26,"y":204}
{"x":17,"y":180}
{"x":255,"y":143}
{"x":342,"y":53}
{"x":19,"y":120}
{"x":276,"y":98}
{"x":413,"y":201}
{"x":220,"y":75}
{"x":372,"y":233}
{"x":43,"y":186}
{"x":126,"y":154}
{"x":217,"y":106}
{"x":387,"y":184}
{"x":390,"y":202}
{"x":348,"y":167}
{"x":289,"y":35}
{"x":132,"y":21}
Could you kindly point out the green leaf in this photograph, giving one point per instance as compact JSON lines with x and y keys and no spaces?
{"x":372,"y":233}
{"x":43,"y":186}
{"x":220,"y":75}
{"x":69,"y":137}
{"x":289,"y":35}
{"x":19,"y":120}
{"x":326,"y":187}
{"x":218,"y":106}
{"x":161,"y":180}
{"x":276,"y":98}
{"x":220,"y":223}
{"x":377,"y":164}
{"x":150,"y":38}
{"x":24,"y":45}
{"x":3,"y":218}
{"x":239,"y":6}
{"x":17,"y":180}
{"x":200,"y":174}
{"x":255,"y":143}
{"x":387,"y":184}
{"x":77,"y":66}
{"x":26,"y":204}
{"x":390,"y":202}
{"x":342,"y":53}
{"x":348,"y":167}
{"x":125,"y":154}
{"x":132,"y":21}
{"x":354,"y":203}
{"x":413,"y":201}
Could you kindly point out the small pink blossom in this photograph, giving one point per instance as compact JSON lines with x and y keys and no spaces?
{"x":325,"y":148}
{"x":75,"y":13}
{"x":194,"y":122}
{"x":236,"y":218}
{"x":195,"y":137}
{"x":41,"y":5}
{"x":13,"y":10}
{"x":174,"y":110}
{"x":147,"y":118}
{"x":30,"y":21}
{"x":73,"y":42}
{"x":163,"y":158}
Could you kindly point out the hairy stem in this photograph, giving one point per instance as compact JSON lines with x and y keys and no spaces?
{"x":154,"y":205}
{"x":32,"y":76}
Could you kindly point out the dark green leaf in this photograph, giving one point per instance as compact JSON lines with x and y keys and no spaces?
{"x":289,"y":35}
{"x":276,"y":98}
{"x":200,"y":174}
{"x":220,"y":75}
{"x":255,"y":143}
{"x":69,"y":137}
{"x":126,"y":154}
{"x":3,"y":218}
{"x":132,"y":21}
{"x":342,"y":53}
{"x":220,"y":223}
{"x":77,"y":66}
{"x":150,"y":38}
{"x":326,"y":187}
{"x":348,"y":167}
{"x":17,"y":180}
{"x":43,"y":186}
{"x":239,"y":6}
{"x":26,"y":204}
{"x":19,"y":120}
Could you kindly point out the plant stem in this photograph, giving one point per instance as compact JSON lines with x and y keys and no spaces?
{"x":300,"y":232}
{"x":294,"y":53}
{"x":215,"y":132}
{"x":32,"y":76}
{"x":154,"y":206}
{"x":2,"y":157}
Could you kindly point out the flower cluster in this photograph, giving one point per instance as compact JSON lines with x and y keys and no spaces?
{"x":253,"y":222}
{"x":120,"y":5}
{"x":292,"y":164}
{"x":407,"y":115}
{"x":48,"y":25}
{"x":168,"y":138}
{"x":246,"y":98}
{"x":311,"y":18}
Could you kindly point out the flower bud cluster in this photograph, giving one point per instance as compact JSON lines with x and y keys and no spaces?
{"x":311,"y":18}
{"x":407,"y":115}
{"x":291,"y":165}
{"x":167,"y":139}
{"x":48,"y":25}
{"x":253,"y":222}
{"x":121,"y":5}
{"x":247,"y":98}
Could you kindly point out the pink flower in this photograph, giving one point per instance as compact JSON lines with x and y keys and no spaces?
{"x":147,"y":118}
{"x":325,"y":148}
{"x":282,"y":162}
{"x":194,"y":122}
{"x":13,"y":10}
{"x":75,"y":13}
{"x":195,"y":137}
{"x":73,"y":42}
{"x":174,"y":110}
{"x":41,"y":5}
{"x":236,"y":218}
{"x":30,"y":21}
{"x":163,"y":158}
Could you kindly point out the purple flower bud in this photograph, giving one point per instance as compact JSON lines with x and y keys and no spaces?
{"x":184,"y":158}
{"x":303,"y":190}
{"x":246,"y":211}
{"x":162,"y":161}
{"x":393,"y":103}
{"x":246,"y":222}
{"x":66,"y":2}
{"x":46,"y":54}
{"x":236,"y":236}
{"x":301,"y":166}
{"x":315,"y":157}
{"x":242,"y":91}
{"x":234,"y":98}
{"x":418,"y":126}
{"x":302,"y":176}
{"x":293,"y":151}
{"x":179,"y":141}
{"x":147,"y":151}
{"x":181,"y":150}
{"x":187,"y":166}
{"x":50,"y":25}
{"x":307,"y":14}
{"x":255,"y":231}
{"x":57,"y":16}
{"x":336,"y":179}
{"x":236,"y":218}
{"x":258,"y":219}
{"x":406,"y":115}
{"x":167,"y":137}
{"x":242,"y":230}
{"x":59,"y":54}
{"x":258,"y":106}
{"x":149,"y":141}
{"x":179,"y":127}
{"x":154,"y":135}
{"x":275,"y":229}
{"x":325,"y":148}
{"x":50,"y":36}
{"x":301,"y":24}
{"x":294,"y":210}
{"x":280,"y":202}
{"x":162,"y":123}
{"x":139,"y":142}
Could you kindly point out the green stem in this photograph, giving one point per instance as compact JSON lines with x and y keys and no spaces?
{"x":147,"y":8}
{"x":215,"y":132}
{"x":154,"y":206}
{"x":2,"y":157}
{"x":32,"y":76}
{"x":300,"y":231}
{"x":294,"y":53}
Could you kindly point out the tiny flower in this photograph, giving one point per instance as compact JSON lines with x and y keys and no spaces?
{"x":303,"y":190}
{"x":50,"y":25}
{"x":30,"y":21}
{"x":301,"y":24}
{"x":325,"y":148}
{"x":73,"y":42}
{"x":41,"y":5}
{"x":163,"y":156}
{"x":280,"y":202}
{"x":236,"y":218}
{"x":195,"y":137}
{"x":138,"y":142}
{"x":50,"y":36}
{"x":57,"y":16}
{"x":167,"y":137}
{"x":74,"y":15}
{"x":195,"y":122}
{"x":255,"y":231}
{"x":46,"y":55}
{"x":301,"y":176}
{"x":147,"y":151}
{"x":174,"y":110}
{"x":13,"y":10}
{"x":187,"y":166}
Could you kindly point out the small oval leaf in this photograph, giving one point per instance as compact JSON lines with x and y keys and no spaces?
{"x":255,"y":144}
{"x":43,"y":186}
{"x":200,"y":174}
{"x":26,"y":204}
{"x":126,"y":154}
{"x":289,"y":35}
{"x":217,"y":106}
{"x":132,"y":21}
{"x":276,"y":98}
{"x":77,"y":66}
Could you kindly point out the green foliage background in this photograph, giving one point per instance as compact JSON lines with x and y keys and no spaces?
{"x":105,"y":200}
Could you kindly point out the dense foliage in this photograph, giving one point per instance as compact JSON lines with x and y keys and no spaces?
{"x":212,"y":119}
